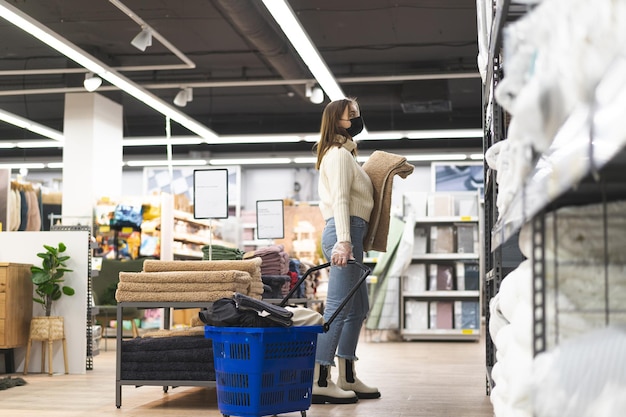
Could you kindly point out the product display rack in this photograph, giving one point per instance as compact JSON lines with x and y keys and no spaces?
{"x":501,"y":259}
{"x":191,"y":234}
{"x":92,"y":349}
{"x":451,"y":262}
{"x":584,"y":165}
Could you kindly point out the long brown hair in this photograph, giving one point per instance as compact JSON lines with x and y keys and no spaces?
{"x":330,"y":128}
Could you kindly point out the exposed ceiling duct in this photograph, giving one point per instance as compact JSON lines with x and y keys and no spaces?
{"x":275,"y":49}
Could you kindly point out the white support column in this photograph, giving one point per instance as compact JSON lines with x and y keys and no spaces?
{"x":92,"y":156}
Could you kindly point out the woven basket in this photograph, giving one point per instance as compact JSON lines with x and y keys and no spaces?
{"x":47,"y":328}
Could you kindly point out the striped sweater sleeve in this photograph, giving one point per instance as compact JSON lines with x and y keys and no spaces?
{"x":340,"y":173}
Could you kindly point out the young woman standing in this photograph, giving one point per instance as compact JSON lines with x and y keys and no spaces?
{"x":346,"y":201}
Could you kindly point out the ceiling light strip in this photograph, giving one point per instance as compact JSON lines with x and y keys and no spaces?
{"x":284,"y":16}
{"x":298,"y":160}
{"x":29,"y":25}
{"x":154,"y":163}
{"x":35,"y":127}
{"x":246,"y":139}
{"x":211,"y":84}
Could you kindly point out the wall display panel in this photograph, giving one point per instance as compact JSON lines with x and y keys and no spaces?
{"x":467,"y":176}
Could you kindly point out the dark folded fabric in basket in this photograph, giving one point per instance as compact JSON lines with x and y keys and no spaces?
{"x":225,"y":313}
{"x":264,"y":309}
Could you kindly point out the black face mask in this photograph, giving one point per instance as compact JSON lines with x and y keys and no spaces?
{"x":356,"y":126}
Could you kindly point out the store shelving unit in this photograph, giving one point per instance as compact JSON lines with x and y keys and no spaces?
{"x":439,"y":296}
{"x":191,"y":234}
{"x":499,"y":259}
{"x":584,"y":165}
{"x":251,"y":241}
{"x":92,"y":346}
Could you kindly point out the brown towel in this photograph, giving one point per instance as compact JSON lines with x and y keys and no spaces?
{"x":381,"y":167}
{"x":208,"y":296}
{"x":182,"y":287}
{"x":186,"y":277}
{"x":251,"y":266}
{"x":186,"y":331}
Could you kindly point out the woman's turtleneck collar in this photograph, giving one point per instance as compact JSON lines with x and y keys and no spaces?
{"x":347,"y":143}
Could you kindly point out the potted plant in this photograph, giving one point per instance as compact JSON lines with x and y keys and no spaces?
{"x":48,"y":278}
{"x":48,"y":282}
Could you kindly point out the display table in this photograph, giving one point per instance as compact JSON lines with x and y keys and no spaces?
{"x":167,"y":307}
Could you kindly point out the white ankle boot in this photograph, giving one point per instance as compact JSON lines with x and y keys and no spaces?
{"x":325,"y":390}
{"x":348,"y":381}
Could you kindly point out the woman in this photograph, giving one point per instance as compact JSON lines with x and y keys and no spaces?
{"x":346,"y":201}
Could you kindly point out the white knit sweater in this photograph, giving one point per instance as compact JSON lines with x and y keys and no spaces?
{"x":345,"y":189}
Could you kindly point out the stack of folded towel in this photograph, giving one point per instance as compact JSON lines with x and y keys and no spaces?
{"x":275,"y":259}
{"x":191,"y":281}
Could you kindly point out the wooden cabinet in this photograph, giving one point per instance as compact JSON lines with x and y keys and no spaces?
{"x":16,"y":304}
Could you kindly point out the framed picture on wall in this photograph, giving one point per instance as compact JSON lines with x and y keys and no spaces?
{"x":464,"y":176}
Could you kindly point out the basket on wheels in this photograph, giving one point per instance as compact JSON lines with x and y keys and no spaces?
{"x":263,"y":371}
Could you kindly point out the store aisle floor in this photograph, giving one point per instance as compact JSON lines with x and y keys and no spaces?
{"x":417,"y":379}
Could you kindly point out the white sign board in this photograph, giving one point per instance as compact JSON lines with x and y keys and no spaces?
{"x":210,"y":193}
{"x":270,"y":222}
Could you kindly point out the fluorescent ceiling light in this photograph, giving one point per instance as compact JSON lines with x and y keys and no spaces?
{"x":32,"y":144}
{"x":477,"y":156}
{"x":390,"y":135}
{"x":32,"y":165}
{"x":35,"y":127}
{"x":259,"y":139}
{"x":250,"y":161}
{"x":445,"y":134}
{"x":437,"y":157}
{"x":284,"y":16}
{"x":305,"y":160}
{"x":162,"y":141}
{"x":55,"y":165}
{"x":243,"y":139}
{"x":162,"y":162}
{"x":44,"y":34}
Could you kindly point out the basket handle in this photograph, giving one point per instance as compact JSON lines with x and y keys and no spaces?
{"x":365,"y":271}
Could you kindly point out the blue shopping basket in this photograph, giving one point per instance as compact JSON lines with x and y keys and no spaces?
{"x":263,"y":371}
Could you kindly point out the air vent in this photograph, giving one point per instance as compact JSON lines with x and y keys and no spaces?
{"x":426,"y":97}
{"x":431,"y":106}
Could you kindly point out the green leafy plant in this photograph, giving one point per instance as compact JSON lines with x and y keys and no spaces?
{"x":48,"y":279}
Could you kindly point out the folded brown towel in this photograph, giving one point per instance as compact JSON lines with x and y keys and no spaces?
{"x":187,"y":331}
{"x":381,"y":167}
{"x":251,"y":266}
{"x":208,"y":296}
{"x":184,"y":287}
{"x":186,"y":276}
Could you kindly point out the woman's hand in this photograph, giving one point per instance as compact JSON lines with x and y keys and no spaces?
{"x":341,"y":253}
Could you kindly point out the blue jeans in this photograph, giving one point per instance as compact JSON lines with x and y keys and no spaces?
{"x":343,"y":335}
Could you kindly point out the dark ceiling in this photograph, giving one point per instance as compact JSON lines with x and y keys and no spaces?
{"x":411,"y":64}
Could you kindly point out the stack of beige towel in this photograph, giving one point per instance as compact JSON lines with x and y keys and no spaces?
{"x":191,"y":281}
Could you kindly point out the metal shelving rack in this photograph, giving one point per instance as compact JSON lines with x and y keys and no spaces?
{"x":91,"y":351}
{"x":499,"y":260}
{"x":165,"y":383}
{"x":431,"y":295}
{"x":601,"y":180}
